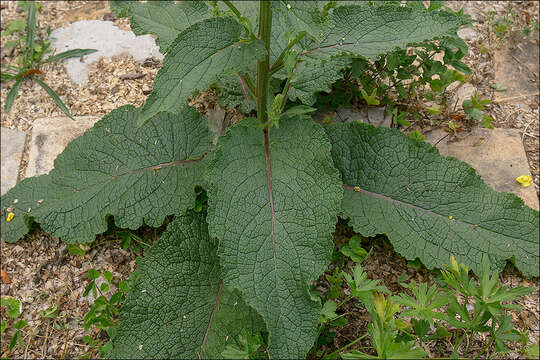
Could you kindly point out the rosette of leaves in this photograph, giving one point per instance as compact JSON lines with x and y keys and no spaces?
{"x":236,"y":274}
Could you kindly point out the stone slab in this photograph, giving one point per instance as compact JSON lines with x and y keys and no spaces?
{"x":50,"y":136}
{"x":497,"y":155}
{"x":11,"y":151}
{"x":517,"y":67}
{"x":106,"y":38}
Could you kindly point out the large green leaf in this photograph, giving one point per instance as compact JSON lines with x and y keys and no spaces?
{"x":429,"y":206}
{"x":370,"y":31}
{"x":179,"y":307}
{"x":165,"y":18}
{"x":273,"y":203}
{"x":194,"y":61}
{"x":113,"y":169}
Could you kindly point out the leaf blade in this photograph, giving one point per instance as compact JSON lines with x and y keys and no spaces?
{"x":55,"y":97}
{"x":282,"y":192}
{"x":195,"y":59}
{"x":12,"y":94}
{"x":190,"y":312}
{"x":429,"y":206}
{"x":113,"y":169}
{"x":70,"y":54}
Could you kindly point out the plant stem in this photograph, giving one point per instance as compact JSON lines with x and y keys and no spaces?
{"x":233,"y":8}
{"x":348,"y":345}
{"x":284,"y":52}
{"x":263,"y":73}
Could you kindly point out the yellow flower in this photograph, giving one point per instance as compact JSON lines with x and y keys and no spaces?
{"x":450,"y":217}
{"x":10,"y":216}
{"x":524,"y":180}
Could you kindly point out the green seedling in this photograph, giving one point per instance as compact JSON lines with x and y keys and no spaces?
{"x":13,"y":309}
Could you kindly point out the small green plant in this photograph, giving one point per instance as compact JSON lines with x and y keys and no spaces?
{"x":482,"y":311}
{"x":474,"y":110}
{"x":276,"y":183}
{"x":103,"y":313}
{"x":33,"y":58}
{"x":13,"y":308}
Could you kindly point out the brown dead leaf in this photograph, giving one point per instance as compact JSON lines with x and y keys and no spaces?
{"x":5,"y":277}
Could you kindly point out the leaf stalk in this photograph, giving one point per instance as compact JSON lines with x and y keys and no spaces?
{"x":263,"y":73}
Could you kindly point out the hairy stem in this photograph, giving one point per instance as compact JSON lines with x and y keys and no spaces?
{"x":263,"y":73}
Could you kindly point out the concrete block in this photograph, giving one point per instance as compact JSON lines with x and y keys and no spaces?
{"x":11,"y":149}
{"x":50,"y":136}
{"x":106,"y":38}
{"x":497,"y":155}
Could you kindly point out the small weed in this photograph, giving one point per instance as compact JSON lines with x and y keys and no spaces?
{"x":13,"y":309}
{"x":474,"y":110}
{"x":34,"y":49}
{"x":103,"y":313}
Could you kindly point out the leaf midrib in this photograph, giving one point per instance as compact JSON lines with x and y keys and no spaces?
{"x":387,"y":198}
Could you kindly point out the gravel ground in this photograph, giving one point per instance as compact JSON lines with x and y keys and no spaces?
{"x":40,"y":272}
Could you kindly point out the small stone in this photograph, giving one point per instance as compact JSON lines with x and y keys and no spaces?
{"x":216,"y":121}
{"x":462,"y":93}
{"x":467,"y":34}
{"x":377,"y":117}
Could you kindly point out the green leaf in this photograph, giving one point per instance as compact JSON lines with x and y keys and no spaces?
{"x":356,"y":30}
{"x":50,"y":313}
{"x":354,"y":249}
{"x":273,"y":203}
{"x":499,"y":87}
{"x":533,"y":351}
{"x":232,"y":95}
{"x":75,"y":249}
{"x":114,"y":169}
{"x":4,"y":76}
{"x":12,"y":94}
{"x":93,"y":274}
{"x":14,"y":26}
{"x":30,"y":33}
{"x":428,"y":205}
{"x":194,"y":61}
{"x":424,"y":302}
{"x":328,"y":311}
{"x":179,"y":304}
{"x":70,"y":54}
{"x":315,"y":75}
{"x":14,"y":306}
{"x":54,"y":96}
{"x":297,"y":110}
{"x":165,"y":19}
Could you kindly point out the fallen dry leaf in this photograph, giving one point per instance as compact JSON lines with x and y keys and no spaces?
{"x":5,"y":277}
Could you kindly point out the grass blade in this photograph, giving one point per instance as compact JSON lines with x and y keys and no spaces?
{"x":6,"y":76}
{"x":70,"y":54}
{"x":12,"y":94}
{"x":55,"y":97}
{"x":30,"y":32}
{"x":9,"y":67}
